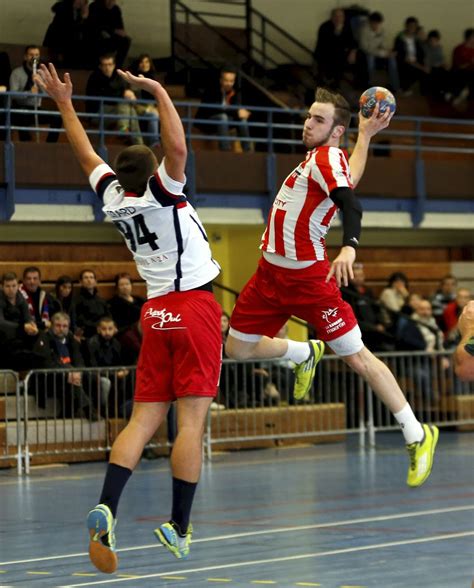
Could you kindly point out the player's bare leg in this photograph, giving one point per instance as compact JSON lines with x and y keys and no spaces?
{"x":186,"y":462}
{"x":265,"y":348}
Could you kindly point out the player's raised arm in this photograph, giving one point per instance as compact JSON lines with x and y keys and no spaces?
{"x":173,"y":138}
{"x":368,"y":127}
{"x":61,"y":92}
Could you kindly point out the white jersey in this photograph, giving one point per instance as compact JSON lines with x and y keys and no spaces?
{"x":161,"y":229}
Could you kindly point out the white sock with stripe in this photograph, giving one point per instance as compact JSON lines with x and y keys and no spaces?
{"x":411,"y":426}
{"x":297,"y":351}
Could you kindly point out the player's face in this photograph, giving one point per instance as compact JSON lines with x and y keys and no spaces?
{"x":106,"y":330}
{"x":88,"y":280}
{"x":227,"y":81}
{"x":10,"y":288}
{"x":319,"y":126}
{"x":60,"y":327}
{"x":124,"y":287}
{"x":32,"y":281}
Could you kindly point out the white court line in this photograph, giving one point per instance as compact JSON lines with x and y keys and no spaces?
{"x":406,"y":515}
{"x":282,"y":559}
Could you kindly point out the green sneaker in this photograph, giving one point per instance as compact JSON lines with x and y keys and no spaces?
{"x":421,"y":456}
{"x":305,"y":370}
{"x":169,"y":536}
{"x":101,"y":524}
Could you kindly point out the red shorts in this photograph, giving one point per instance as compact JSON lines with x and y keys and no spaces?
{"x":274,"y":294}
{"x":181,"y":349}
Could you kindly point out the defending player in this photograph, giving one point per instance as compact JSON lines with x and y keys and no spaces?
{"x":181,"y":351}
{"x":294,"y":276}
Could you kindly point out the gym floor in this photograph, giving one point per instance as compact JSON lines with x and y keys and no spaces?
{"x":328,"y":515}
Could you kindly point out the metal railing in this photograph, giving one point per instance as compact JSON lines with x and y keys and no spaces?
{"x":10,"y":419}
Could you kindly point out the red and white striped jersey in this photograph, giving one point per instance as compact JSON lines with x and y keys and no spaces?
{"x":302,"y":210}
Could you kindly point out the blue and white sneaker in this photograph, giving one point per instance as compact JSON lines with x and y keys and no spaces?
{"x":169,"y":536}
{"x":101,"y":525}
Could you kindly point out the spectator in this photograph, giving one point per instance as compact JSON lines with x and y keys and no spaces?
{"x":18,"y":329}
{"x":463,"y":68}
{"x":62,"y":298}
{"x":368,"y":312}
{"x":451,"y":315}
{"x":131,"y":341}
{"x":124,"y":307}
{"x":464,"y":354}
{"x":395,"y":295}
{"x":225,"y":324}
{"x":106,"y":82}
{"x":21,"y":80}
{"x":335,"y":49}
{"x":88,"y":306}
{"x":61,"y":351}
{"x":410,"y":56}
{"x":437,"y":83}
{"x":411,"y":304}
{"x":143,"y":66}
{"x":5,"y":71}
{"x":66,"y":36}
{"x":445,"y":294}
{"x":431,"y":333}
{"x":40,"y":303}
{"x":104,"y":350}
{"x":374,"y":46}
{"x":107,"y":30}
{"x":223,"y":94}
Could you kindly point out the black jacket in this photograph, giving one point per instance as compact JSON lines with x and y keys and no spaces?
{"x":47,"y":347}
{"x":103,"y":352}
{"x":13,"y":317}
{"x":100,"y":85}
{"x":124,"y":313}
{"x":88,"y":309}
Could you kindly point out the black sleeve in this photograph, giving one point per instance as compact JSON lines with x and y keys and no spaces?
{"x":348,"y":203}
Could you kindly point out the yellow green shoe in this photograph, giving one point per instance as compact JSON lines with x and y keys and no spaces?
{"x":168,"y":534}
{"x":304,"y":371}
{"x":421,"y":456}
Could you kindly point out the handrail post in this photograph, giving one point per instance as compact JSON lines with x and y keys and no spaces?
{"x":8,"y":209}
{"x":418,"y":210}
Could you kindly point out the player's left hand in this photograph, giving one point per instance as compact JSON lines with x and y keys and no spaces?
{"x":377,"y":122}
{"x":140,"y":81}
{"x":341,"y":267}
{"x":48,"y":80}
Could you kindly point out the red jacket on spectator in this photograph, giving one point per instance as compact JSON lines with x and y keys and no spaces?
{"x":450,"y":316}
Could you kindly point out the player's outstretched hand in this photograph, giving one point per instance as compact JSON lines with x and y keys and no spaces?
{"x":48,"y":80}
{"x":341,"y":267}
{"x":371,"y":126}
{"x":140,"y":82}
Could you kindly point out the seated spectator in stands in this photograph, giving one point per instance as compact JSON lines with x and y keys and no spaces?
{"x":368,"y":312}
{"x":40,"y":303}
{"x":62,"y":297}
{"x":66,"y":36}
{"x":445,"y":294}
{"x":88,"y":306}
{"x":61,"y":351}
{"x":451,"y":314}
{"x":410,"y":56}
{"x":131,"y":342}
{"x":464,"y":354}
{"x":225,"y":325}
{"x":336,"y":49}
{"x":463,"y":68}
{"x":375,"y":49}
{"x":143,"y":66}
{"x":438,"y":78}
{"x":18,"y":329}
{"x":124,"y":307}
{"x":104,"y":351}
{"x":224,"y":94}
{"x":106,"y":82}
{"x":107,"y":31}
{"x":395,"y":295}
{"x":428,"y":328}
{"x":5,"y":71}
{"x":21,"y":80}
{"x":412,"y":303}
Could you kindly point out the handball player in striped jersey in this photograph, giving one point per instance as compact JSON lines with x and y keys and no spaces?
{"x":295,"y":277}
{"x":180,"y":358}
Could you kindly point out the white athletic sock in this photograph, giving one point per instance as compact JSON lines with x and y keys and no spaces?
{"x":411,"y":426}
{"x":297,"y":351}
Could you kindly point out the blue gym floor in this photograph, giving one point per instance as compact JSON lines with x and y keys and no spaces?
{"x":329,"y":516}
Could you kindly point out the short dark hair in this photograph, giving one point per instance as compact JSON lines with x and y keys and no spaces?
{"x":64,"y":279}
{"x":411,"y":20}
{"x":31,"y":269}
{"x":397,"y":276}
{"x":468,"y":33}
{"x":376,"y":17}
{"x":228,"y":69}
{"x":434,"y":34}
{"x":120,"y":276}
{"x":143,"y":56}
{"x":9,"y":277}
{"x":134,"y":165}
{"x":342,"y":110}
{"x":106,"y":319}
{"x":28,"y":47}
{"x":107,"y":56}
{"x":87,"y":271}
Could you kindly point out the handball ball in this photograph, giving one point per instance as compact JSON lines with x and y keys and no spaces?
{"x":370,"y":97}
